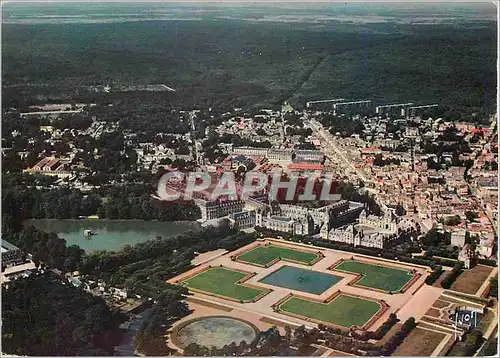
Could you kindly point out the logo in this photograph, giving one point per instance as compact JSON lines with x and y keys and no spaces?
{"x":466,"y":317}
{"x":177,"y":185}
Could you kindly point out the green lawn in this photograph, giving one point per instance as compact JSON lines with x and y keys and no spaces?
{"x":344,"y":311}
{"x":263,"y":255}
{"x":222,"y":281}
{"x":379,"y":277}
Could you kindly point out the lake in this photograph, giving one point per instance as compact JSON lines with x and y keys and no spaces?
{"x":111,"y":234}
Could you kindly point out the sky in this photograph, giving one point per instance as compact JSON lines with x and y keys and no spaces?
{"x":257,"y":1}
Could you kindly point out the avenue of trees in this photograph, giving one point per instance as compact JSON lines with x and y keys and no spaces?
{"x":434,"y":275}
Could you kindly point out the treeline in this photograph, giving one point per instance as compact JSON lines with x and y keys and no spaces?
{"x":43,"y":317}
{"x":169,"y":307}
{"x":398,"y":338}
{"x":22,"y":200}
{"x":267,"y":344}
{"x":435,"y":274}
{"x":214,"y":139}
{"x":493,"y":287}
{"x":134,"y":201}
{"x":356,"y":344}
{"x":271,"y":343}
{"x":47,"y":248}
{"x":378,"y":334}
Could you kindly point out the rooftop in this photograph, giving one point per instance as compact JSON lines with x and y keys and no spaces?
{"x":6,"y":246}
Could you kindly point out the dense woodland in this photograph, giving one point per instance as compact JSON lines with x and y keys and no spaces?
{"x":223,"y":60}
{"x":41,"y":316}
{"x":22,"y":200}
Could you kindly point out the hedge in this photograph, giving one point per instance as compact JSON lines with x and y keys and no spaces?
{"x":434,"y":275}
{"x":384,"y":328}
{"x":452,"y":276}
{"x":487,"y":262}
{"x":399,"y":337}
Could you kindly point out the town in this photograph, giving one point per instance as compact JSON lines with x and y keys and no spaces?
{"x":436,"y":174}
{"x":410,"y":187}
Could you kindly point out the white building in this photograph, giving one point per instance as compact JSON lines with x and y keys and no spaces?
{"x":280,"y":155}
{"x":458,"y":238}
{"x":217,"y":209}
{"x":351,"y":236}
{"x":387,"y":222}
{"x":250,"y":151}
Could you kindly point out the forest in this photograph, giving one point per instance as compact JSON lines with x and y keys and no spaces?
{"x":227,"y":61}
{"x":22,"y":200}
{"x":41,"y":316}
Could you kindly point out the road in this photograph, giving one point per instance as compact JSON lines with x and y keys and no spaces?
{"x":329,"y":141}
{"x":48,"y":112}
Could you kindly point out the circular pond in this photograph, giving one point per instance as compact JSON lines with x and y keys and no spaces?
{"x":214,"y":331}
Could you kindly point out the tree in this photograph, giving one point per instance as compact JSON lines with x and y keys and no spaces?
{"x":400,"y":211}
{"x":494,"y":286}
{"x":453,"y":221}
{"x":41,"y":316}
{"x":473,"y":342}
{"x":471,"y":216}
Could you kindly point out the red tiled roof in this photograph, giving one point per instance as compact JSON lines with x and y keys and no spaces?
{"x":42,"y":162}
{"x":305,"y":166}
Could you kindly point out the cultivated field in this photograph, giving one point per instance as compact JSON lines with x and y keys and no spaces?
{"x":471,"y":280}
{"x":420,"y":342}
{"x":378,"y":277}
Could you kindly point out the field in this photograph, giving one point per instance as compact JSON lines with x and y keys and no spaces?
{"x":266,"y":255}
{"x":379,"y":277}
{"x":471,"y":280}
{"x":223,"y":282}
{"x":420,"y":342}
{"x":299,"y":279}
{"x":343,"y":310}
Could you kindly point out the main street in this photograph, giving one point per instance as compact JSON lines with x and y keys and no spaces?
{"x":332,"y":151}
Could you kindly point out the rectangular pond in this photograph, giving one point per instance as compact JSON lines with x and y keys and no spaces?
{"x":299,"y":279}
